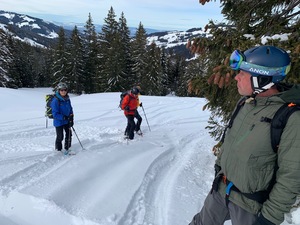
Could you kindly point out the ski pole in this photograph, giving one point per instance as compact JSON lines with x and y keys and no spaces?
{"x":146,"y":118}
{"x":70,"y":138}
{"x":77,"y":138}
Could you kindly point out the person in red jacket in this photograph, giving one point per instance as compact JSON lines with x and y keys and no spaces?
{"x":137,"y":115}
{"x":129,"y":105}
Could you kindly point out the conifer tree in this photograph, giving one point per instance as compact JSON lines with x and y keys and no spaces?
{"x":92,"y":78}
{"x":175,"y":69}
{"x":164,"y":79}
{"x":139,"y":54}
{"x":195,"y":75}
{"x":75,"y":66}
{"x":60,"y":58}
{"x":24,"y":64}
{"x":125,"y":59}
{"x":151,"y":81}
{"x":22,"y":68}
{"x":6,"y":59}
{"x":45,"y":79}
{"x":182,"y":77}
{"x":110,"y":43}
{"x":38,"y":59}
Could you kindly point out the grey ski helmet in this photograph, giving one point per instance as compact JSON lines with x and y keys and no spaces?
{"x":62,"y":85}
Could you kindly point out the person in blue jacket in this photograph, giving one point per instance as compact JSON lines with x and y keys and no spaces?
{"x":63,"y":118}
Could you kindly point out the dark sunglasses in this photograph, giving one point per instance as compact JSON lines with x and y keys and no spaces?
{"x":63,"y":90}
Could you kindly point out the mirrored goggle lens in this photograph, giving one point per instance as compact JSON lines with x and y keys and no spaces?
{"x":265,"y":71}
{"x":235,"y":60}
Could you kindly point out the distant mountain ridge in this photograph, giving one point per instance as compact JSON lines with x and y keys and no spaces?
{"x":41,"y":33}
{"x":30,"y":29}
{"x":98,"y":27}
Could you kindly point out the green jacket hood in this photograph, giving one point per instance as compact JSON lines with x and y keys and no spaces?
{"x":291,"y":95}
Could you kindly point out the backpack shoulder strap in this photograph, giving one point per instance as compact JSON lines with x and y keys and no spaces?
{"x":58,"y":100}
{"x":279,"y":122}
{"x":239,"y":105}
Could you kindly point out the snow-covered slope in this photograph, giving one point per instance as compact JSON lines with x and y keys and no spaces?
{"x":161,"y":178}
{"x":154,"y":179}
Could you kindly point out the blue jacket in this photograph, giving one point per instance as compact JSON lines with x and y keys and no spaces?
{"x":61,"y":107}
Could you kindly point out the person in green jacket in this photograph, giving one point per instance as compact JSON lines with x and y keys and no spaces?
{"x":254,"y":185}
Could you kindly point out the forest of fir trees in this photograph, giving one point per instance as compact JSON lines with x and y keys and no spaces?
{"x":91,"y":62}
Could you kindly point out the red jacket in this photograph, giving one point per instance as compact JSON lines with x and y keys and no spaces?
{"x":131,"y":101}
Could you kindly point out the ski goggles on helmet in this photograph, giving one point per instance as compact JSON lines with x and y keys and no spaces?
{"x":237,"y":62}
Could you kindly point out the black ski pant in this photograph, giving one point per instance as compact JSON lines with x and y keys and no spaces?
{"x":130,"y":126}
{"x":139,"y":120}
{"x":60,"y":136}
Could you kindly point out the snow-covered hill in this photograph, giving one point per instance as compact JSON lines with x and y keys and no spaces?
{"x":170,"y":39}
{"x":29,"y":29}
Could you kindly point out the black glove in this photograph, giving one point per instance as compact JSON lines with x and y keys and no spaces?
{"x":71,"y":120}
{"x":261,"y":220}
{"x":217,"y":180}
{"x":127,"y":108}
{"x":216,"y":183}
{"x":217,"y":169}
{"x":141,"y":104}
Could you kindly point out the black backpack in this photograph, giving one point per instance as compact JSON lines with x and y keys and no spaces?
{"x":49,"y":99}
{"x":278,"y":122}
{"x":122,"y":95}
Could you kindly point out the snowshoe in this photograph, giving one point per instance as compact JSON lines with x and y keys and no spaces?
{"x":68,"y":152}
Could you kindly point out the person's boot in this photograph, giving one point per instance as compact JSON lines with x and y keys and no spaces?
{"x":139,"y":132}
{"x":58,"y":147}
{"x":67,"y":144}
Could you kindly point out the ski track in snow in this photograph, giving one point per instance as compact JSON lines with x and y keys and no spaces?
{"x":158,"y":185}
{"x":169,"y":175}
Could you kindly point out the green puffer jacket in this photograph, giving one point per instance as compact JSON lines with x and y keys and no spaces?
{"x":248,"y":160}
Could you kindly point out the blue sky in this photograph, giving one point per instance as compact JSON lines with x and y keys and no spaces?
{"x":157,"y":14}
